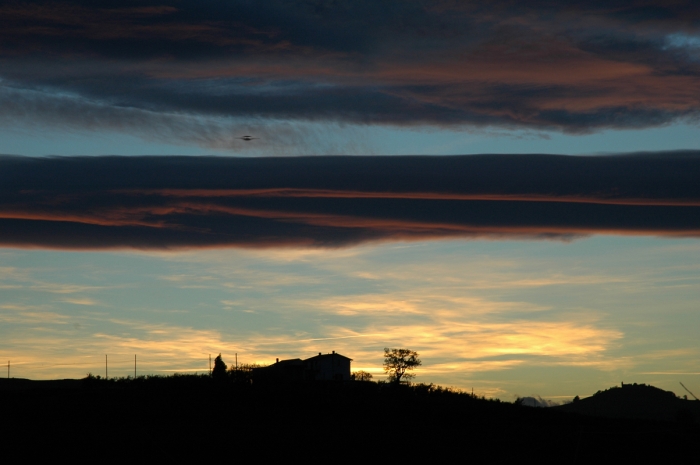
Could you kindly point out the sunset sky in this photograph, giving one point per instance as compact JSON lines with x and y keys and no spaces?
{"x":512,"y":191}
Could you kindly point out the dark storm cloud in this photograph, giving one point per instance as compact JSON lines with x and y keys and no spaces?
{"x":569,"y":66}
{"x":180,"y":202}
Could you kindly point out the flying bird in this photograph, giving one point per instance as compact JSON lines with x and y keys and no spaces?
{"x":248,"y":138}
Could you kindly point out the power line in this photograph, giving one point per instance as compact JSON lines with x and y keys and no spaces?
{"x":119,"y":364}
{"x":689,"y":391}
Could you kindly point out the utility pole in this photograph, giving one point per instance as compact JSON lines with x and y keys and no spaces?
{"x":134,"y":366}
{"x":236,"y":361}
{"x":106,"y":371}
{"x":8,"y":369}
{"x":209,"y":364}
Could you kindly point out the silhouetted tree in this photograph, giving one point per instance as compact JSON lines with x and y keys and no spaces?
{"x":398,"y":361}
{"x":219,"y":371}
{"x":362,"y":376}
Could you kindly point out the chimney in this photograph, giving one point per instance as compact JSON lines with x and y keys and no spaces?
{"x":334,"y":352}
{"x":319,"y":353}
{"x":278,"y":360}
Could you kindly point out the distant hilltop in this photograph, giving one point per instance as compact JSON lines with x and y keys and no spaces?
{"x":636,"y":401}
{"x":20,"y":384}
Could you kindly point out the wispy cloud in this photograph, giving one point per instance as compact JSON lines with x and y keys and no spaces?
{"x":669,"y":373}
{"x":30,"y":314}
{"x":81,"y":301}
{"x":62,"y":288}
{"x":424,"y":302}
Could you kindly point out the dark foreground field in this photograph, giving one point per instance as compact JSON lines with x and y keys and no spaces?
{"x":365,"y":422}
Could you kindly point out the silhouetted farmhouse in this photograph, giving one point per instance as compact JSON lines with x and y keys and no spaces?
{"x":322,"y":367}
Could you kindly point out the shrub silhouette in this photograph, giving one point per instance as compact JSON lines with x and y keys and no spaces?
{"x":243,"y":373}
{"x":361,"y":376}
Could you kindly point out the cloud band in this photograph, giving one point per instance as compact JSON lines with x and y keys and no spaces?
{"x":183,"y":202}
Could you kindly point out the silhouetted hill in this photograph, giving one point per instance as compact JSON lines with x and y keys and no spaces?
{"x":179,"y":417}
{"x":15,"y":384}
{"x":636,"y":401}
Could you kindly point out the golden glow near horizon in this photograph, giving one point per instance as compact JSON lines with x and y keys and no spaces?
{"x":505,"y":318}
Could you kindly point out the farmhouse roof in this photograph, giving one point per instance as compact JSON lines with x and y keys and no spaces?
{"x":322,"y":356}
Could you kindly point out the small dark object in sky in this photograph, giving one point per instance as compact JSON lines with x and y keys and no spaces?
{"x":248,"y":138}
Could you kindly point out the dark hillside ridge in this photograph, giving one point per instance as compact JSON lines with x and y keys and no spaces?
{"x":20,"y":384}
{"x":636,"y":401}
{"x":188,"y":415}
